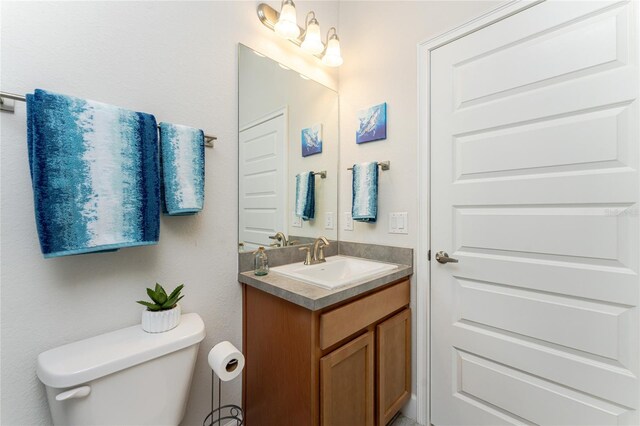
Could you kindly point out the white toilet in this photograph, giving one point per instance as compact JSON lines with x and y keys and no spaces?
{"x":126,"y":377}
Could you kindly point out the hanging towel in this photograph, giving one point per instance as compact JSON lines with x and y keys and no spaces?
{"x":95,"y":176}
{"x":305,"y":195}
{"x":182,"y":158}
{"x":365,"y":192}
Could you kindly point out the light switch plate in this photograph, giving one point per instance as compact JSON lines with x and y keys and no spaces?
{"x":348,"y":221}
{"x":398,"y":223}
{"x":328,"y":220}
{"x":297,"y":221}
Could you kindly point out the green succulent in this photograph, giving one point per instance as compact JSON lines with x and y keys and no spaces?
{"x":162,"y":302}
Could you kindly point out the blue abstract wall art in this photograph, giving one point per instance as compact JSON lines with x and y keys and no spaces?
{"x":372,"y":124}
{"x":312,"y":140}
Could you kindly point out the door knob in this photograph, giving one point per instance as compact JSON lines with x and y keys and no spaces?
{"x":443,"y":257}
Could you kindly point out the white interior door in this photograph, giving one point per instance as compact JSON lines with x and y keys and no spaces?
{"x":263,"y":185}
{"x":535,"y":190}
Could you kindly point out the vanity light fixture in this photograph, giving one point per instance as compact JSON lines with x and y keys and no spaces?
{"x":332,"y":56}
{"x":309,"y":38}
{"x":287,"y":25}
{"x":312,"y":42}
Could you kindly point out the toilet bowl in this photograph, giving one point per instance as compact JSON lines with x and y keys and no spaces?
{"x":126,"y":377}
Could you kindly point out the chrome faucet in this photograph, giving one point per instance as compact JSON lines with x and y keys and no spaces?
{"x":318,"y":249}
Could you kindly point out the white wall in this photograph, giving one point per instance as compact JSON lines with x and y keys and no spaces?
{"x":379,"y":45}
{"x":177,"y":60}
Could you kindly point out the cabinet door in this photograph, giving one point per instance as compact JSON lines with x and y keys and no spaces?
{"x":346,"y":387}
{"x":394,"y":365}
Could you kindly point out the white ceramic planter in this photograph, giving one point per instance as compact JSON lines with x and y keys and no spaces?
{"x":160,"y":321}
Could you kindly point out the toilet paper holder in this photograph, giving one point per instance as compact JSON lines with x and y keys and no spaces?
{"x":224,"y":413}
{"x":226,"y":363}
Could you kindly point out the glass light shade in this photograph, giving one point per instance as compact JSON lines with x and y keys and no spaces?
{"x":287,"y":25}
{"x":312,"y":42}
{"x":332,"y":56}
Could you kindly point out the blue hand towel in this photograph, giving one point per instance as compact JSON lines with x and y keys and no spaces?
{"x":365,"y":192}
{"x":305,"y":195}
{"x":182,"y":156}
{"x":95,"y":176}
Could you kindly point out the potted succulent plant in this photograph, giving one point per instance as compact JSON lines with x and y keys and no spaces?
{"x":163,"y":312}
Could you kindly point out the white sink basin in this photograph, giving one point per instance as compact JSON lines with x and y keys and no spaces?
{"x":336,"y":272}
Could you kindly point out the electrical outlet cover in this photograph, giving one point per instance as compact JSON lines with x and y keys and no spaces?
{"x":398,"y":223}
{"x":296,"y":222}
{"x":348,"y":221}
{"x":328,"y":220}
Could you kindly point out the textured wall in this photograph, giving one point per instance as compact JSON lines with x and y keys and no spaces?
{"x":177,"y":60}
{"x":379,"y":44}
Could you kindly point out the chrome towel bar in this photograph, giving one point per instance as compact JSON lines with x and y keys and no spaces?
{"x":384,"y":165}
{"x":208,"y":139}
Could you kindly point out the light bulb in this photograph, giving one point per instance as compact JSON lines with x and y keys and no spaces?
{"x":287,"y":25}
{"x":312,"y":42}
{"x":332,"y":56}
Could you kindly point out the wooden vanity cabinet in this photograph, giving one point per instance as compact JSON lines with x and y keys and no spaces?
{"x":345,"y":365}
{"x":347,"y":383}
{"x":394,"y":358}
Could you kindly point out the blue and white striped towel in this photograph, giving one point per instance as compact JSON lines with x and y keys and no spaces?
{"x":305,"y":196}
{"x":365,"y":192}
{"x":182,"y":152}
{"x":95,"y":176}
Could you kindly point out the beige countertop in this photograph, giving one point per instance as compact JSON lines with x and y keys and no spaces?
{"x":313,"y":297}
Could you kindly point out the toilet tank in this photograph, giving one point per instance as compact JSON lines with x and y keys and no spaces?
{"x":126,"y":377}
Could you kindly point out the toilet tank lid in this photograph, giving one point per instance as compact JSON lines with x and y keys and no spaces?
{"x":95,"y":357}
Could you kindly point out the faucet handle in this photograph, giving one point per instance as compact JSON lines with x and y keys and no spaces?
{"x":307,"y":259}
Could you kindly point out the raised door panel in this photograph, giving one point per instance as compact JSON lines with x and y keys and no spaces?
{"x":394,"y":365}
{"x":346,"y":384}
{"x":535,"y":156}
{"x":262,"y":184}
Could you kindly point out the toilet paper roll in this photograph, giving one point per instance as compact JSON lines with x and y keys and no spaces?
{"x":226,"y":361}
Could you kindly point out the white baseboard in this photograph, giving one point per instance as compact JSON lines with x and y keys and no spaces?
{"x":410,"y":409}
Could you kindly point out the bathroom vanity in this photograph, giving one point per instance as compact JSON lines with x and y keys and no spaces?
{"x":338,"y":355}
{"x":326,"y":357}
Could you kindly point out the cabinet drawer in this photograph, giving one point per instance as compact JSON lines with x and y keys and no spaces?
{"x":346,"y":320}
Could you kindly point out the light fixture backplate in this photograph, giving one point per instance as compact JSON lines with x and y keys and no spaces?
{"x":269,"y":16}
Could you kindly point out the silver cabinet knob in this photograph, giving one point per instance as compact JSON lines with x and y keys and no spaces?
{"x":443,"y":257}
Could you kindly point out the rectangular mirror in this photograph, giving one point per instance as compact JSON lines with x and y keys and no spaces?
{"x":288,"y":155}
